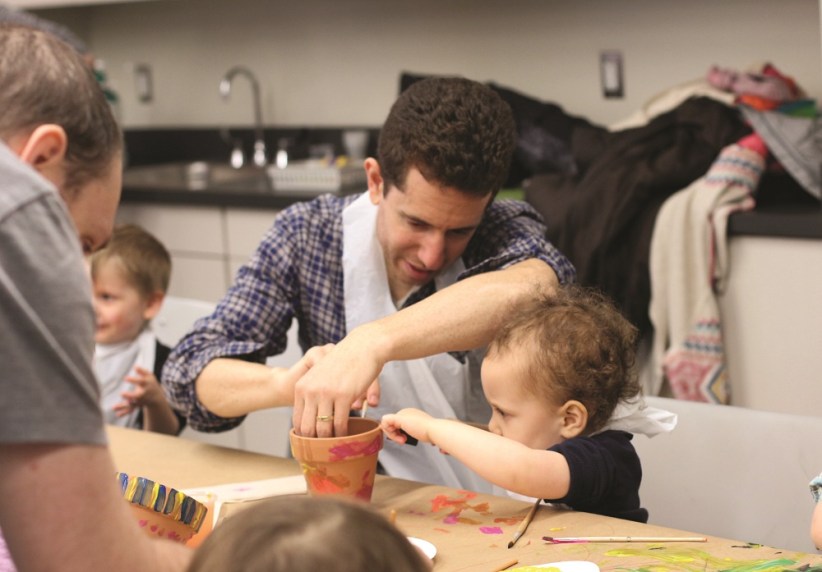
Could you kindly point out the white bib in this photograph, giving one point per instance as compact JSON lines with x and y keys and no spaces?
{"x":112,"y":363}
{"x":439,"y":385}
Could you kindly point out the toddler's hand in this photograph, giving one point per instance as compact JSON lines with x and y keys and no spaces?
{"x":147,"y":391}
{"x":413,"y":422}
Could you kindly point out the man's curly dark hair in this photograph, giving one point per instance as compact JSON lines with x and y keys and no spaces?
{"x":458,"y":133}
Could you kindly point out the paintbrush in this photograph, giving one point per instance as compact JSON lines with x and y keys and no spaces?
{"x":581,"y":539}
{"x":524,"y":524}
{"x":506,"y":565}
{"x":409,"y":440}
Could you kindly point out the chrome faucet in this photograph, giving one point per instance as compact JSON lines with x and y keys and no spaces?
{"x":260,"y":158}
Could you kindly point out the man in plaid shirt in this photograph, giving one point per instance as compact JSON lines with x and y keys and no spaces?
{"x":404,"y":284}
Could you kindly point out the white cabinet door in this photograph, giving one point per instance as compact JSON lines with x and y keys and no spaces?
{"x":198,"y":277}
{"x":182,"y":228}
{"x":195,"y":238}
{"x":772,"y":323}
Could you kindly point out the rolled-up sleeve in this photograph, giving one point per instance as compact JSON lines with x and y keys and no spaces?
{"x":251,"y":323}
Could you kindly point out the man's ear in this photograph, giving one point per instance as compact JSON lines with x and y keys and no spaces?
{"x":373,"y":175}
{"x":45,"y":150}
{"x":46,"y":144}
{"x":574,"y":419}
{"x":154,"y":303}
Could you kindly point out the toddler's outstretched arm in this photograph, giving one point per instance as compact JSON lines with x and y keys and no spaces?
{"x":504,"y":462}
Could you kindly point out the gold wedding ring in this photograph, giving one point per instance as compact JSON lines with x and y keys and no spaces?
{"x":325,"y":418}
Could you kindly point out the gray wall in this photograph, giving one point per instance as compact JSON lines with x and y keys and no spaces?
{"x":337,"y":62}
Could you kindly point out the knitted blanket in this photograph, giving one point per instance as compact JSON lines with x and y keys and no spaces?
{"x":689,"y":267}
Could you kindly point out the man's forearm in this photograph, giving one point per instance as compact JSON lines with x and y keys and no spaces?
{"x":463,"y":316}
{"x":231,"y":387}
{"x":37,"y":480}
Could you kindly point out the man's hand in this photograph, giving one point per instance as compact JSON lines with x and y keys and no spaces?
{"x":309,"y":360}
{"x":335,"y":383}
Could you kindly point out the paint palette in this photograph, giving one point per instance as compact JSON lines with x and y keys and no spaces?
{"x":426,"y":547}
{"x":565,"y":566}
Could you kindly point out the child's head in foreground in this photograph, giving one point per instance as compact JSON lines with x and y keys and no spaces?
{"x":129,"y":278}
{"x":558,"y":368}
{"x":307,"y":533}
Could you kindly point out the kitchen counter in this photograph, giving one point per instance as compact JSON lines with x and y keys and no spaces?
{"x":202,"y":183}
{"x":154,"y":149}
{"x":244,"y":196}
{"x":784,"y":210}
{"x":774,"y":220}
{"x":779,"y":221}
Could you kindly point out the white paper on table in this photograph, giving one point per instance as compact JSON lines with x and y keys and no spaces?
{"x":252,"y":490}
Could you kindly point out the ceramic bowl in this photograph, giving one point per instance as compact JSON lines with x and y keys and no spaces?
{"x":161,"y":510}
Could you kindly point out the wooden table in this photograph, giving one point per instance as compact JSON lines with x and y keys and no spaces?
{"x":471,"y":531}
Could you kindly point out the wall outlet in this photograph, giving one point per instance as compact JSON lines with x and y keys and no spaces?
{"x":610,"y":67}
{"x":143,"y":83}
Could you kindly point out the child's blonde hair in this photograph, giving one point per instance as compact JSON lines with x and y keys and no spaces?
{"x":578,"y":347}
{"x":307,"y":533}
{"x":144,"y":260}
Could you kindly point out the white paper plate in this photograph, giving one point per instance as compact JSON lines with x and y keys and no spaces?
{"x":427,"y":548}
{"x":568,"y":566}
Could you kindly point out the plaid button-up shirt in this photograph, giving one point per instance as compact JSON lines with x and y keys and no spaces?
{"x":297,"y":272}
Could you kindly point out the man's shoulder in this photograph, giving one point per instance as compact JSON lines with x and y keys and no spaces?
{"x":325,"y":205}
{"x":21,"y":184}
{"x":510,"y":217}
{"x":502,"y":209}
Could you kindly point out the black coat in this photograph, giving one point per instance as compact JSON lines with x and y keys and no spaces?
{"x":602,"y":217}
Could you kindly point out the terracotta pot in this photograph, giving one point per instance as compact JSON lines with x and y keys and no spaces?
{"x":343,"y":466}
{"x":161,"y":510}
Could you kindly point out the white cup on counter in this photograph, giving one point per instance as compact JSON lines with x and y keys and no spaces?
{"x":355,"y":142}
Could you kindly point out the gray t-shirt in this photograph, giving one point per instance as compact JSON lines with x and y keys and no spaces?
{"x":48,"y":392}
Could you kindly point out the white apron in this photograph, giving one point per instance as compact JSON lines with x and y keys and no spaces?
{"x":439,"y":385}
{"x":112,"y":363}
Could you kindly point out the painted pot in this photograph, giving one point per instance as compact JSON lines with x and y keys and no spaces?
{"x":343,"y":466}
{"x":160,"y":510}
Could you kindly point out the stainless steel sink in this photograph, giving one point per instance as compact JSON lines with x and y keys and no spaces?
{"x":198,"y":175}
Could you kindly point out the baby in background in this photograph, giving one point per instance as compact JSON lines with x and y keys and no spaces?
{"x":130,"y":278}
{"x":307,"y":533}
{"x":553,"y":376}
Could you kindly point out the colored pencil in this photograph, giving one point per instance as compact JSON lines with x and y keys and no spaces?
{"x":524,"y":524}
{"x":580,"y":539}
